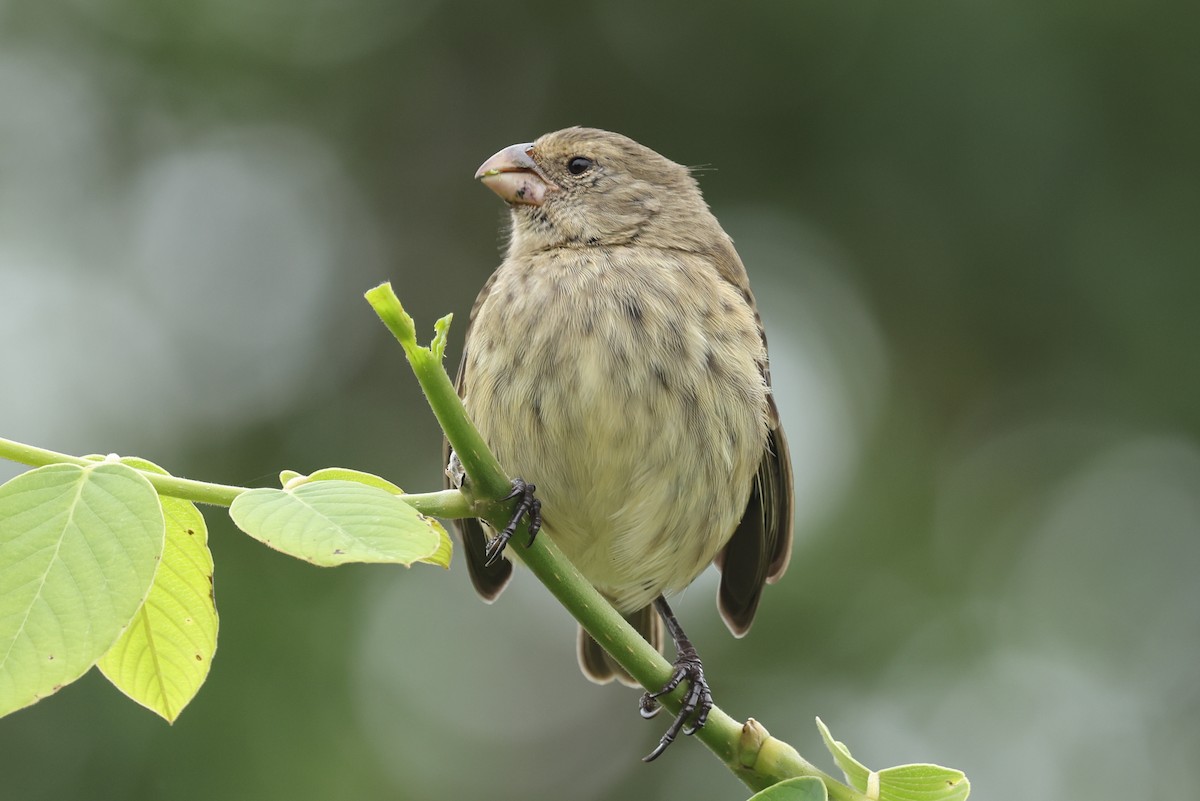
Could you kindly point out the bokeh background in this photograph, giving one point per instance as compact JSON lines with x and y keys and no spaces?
{"x":973,"y":229}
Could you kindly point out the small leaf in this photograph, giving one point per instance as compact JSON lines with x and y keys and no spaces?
{"x":920,"y":782}
{"x":856,"y":772}
{"x":802,"y":788}
{"x":81,"y":546}
{"x":163,"y":658}
{"x":440,"y":557}
{"x":923,"y":783}
{"x":346,"y":474}
{"x":286,"y":477}
{"x":441,"y":330}
{"x":445,"y":549}
{"x":335,"y":522}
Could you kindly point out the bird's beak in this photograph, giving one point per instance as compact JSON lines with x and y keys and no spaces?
{"x":515,"y":176}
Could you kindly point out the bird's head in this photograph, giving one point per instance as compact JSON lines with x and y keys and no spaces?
{"x":583,"y":187}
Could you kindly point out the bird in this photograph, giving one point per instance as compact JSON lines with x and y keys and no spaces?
{"x":616,"y":363}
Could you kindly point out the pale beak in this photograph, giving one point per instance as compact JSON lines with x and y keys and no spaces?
{"x":513,"y":175}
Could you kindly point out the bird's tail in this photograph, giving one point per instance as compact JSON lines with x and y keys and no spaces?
{"x":601,"y":668}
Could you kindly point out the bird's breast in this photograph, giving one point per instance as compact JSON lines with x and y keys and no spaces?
{"x":630,"y":391}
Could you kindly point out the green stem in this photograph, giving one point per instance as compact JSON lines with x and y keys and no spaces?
{"x":447,"y":503}
{"x":747,"y":749}
{"x":35,"y":457}
{"x":451,"y":504}
{"x":172,"y":486}
{"x":487,"y":477}
{"x":197,"y":491}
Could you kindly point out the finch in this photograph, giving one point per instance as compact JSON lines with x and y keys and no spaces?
{"x":616,"y":361}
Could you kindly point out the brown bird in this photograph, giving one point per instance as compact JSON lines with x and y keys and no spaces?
{"x":617,"y":362}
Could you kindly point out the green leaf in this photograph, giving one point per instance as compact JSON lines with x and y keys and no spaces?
{"x":80,"y":548}
{"x":441,"y":557}
{"x":919,"y":782}
{"x":346,"y":474}
{"x":445,"y":547}
{"x":856,"y":772}
{"x":335,"y":522}
{"x":288,"y":476}
{"x":163,"y":658}
{"x":923,"y":783}
{"x":802,"y":788}
{"x":441,"y":331}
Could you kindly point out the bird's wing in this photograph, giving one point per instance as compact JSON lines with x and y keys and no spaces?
{"x":489,"y":581}
{"x":761,"y":545}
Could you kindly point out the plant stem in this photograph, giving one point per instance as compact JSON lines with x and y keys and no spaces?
{"x":487,"y":478}
{"x":35,"y":457}
{"x":197,"y":491}
{"x":172,"y":486}
{"x":450,"y":504}
{"x":447,"y":503}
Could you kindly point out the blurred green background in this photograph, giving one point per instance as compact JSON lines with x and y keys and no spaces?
{"x":973,"y":229}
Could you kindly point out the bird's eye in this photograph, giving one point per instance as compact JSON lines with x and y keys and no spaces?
{"x":577,"y":165}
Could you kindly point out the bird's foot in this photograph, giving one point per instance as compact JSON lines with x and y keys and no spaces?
{"x":527,"y":504}
{"x":696,"y":702}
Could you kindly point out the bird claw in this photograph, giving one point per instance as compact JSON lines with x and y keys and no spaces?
{"x":528,"y":504}
{"x":649,"y":706}
{"x":696,"y":702}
